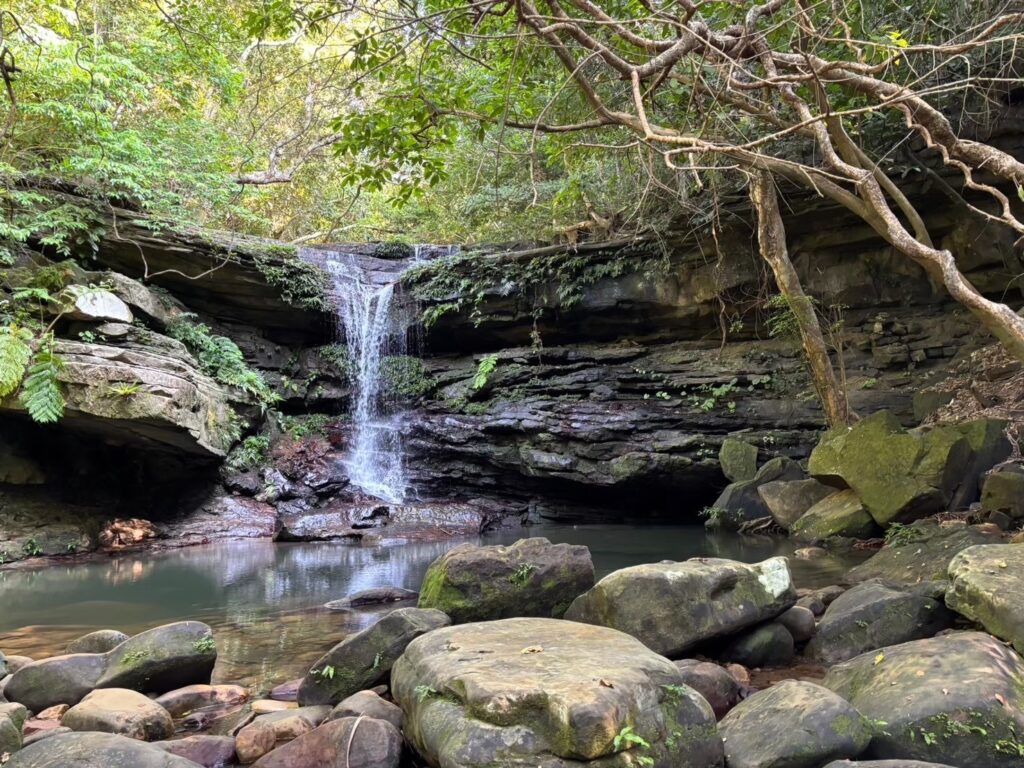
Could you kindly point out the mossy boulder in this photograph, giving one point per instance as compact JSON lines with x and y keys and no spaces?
{"x":94,"y":750}
{"x":361,"y":660}
{"x":957,"y":698}
{"x":793,"y":724}
{"x":527,"y":692}
{"x":1003,"y":491}
{"x":531,"y":577}
{"x":100,"y":641}
{"x":789,"y":500}
{"x":741,"y":501}
{"x":899,"y":475}
{"x":672,"y":607}
{"x":986,"y":584}
{"x":12,"y":718}
{"x":873,"y":615}
{"x":769,"y":645}
{"x":921,"y":552}
{"x":839,"y":514}
{"x":738,"y":459}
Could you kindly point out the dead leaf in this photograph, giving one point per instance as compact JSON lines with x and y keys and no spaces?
{"x":605,"y":683}
{"x":532,"y":649}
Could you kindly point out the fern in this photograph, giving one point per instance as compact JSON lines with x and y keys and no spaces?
{"x":484,"y":369}
{"x":40,"y":392}
{"x":15,"y":354}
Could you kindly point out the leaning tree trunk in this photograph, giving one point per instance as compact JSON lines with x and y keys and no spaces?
{"x":771,"y":236}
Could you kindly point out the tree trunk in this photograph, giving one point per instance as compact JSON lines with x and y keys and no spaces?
{"x":771,"y":236}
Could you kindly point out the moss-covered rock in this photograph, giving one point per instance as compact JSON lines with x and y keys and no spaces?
{"x":12,"y":718}
{"x":671,"y":607}
{"x":793,"y":724}
{"x":957,"y":698}
{"x":360,"y":660}
{"x":838,"y":514}
{"x":521,"y":693}
{"x":986,"y":584}
{"x":769,"y":645}
{"x":738,"y":459}
{"x":531,"y":577}
{"x":1003,"y":491}
{"x":741,"y":501}
{"x":789,"y":500}
{"x":94,"y":750}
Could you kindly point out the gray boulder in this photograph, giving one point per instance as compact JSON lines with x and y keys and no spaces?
{"x":886,"y":764}
{"x":769,"y":645}
{"x":873,"y":615}
{"x":207,"y":751}
{"x":738,"y":459}
{"x":788,"y":500}
{"x":671,"y":607}
{"x":958,"y":698}
{"x":718,"y":687}
{"x":94,"y":750}
{"x":367,"y":704}
{"x":521,"y":693}
{"x":346,"y":743}
{"x":1003,"y":491}
{"x":360,"y":660}
{"x":986,"y":584}
{"x":741,"y":501}
{"x":12,"y":719}
{"x":531,"y":577}
{"x":800,"y":621}
{"x":792,"y":725}
{"x":100,"y":641}
{"x":121,"y":711}
{"x":838,"y":514}
{"x":56,"y":680}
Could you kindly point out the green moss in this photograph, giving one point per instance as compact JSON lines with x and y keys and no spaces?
{"x":302,"y":284}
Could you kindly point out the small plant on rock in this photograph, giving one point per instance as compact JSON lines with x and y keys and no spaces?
{"x":31,"y":548}
{"x":326,"y":672}
{"x":424,"y":692}
{"x":205,"y":644}
{"x":522,"y":574}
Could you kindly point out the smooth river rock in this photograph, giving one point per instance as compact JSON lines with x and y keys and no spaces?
{"x":351,"y":742}
{"x":530,"y":692}
{"x":672,"y":607}
{"x":957,"y":698}
{"x":100,"y":641}
{"x":94,"y":750}
{"x":121,"y":711}
{"x":531,"y":577}
{"x":986,"y":584}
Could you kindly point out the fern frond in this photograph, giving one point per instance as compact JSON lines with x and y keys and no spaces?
{"x":15,"y":353}
{"x":40,"y":393}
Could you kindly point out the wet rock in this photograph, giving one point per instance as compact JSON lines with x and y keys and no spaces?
{"x":264,"y":706}
{"x":531,"y":577}
{"x":922,"y":552}
{"x":671,"y":607}
{"x":986,"y":584}
{"x":347,"y":743}
{"x":94,"y":750}
{"x":813,"y":603}
{"x":286,"y":725}
{"x":120,"y":711}
{"x":738,"y":459}
{"x":534,"y":691}
{"x":56,"y":680}
{"x":315,"y":714}
{"x":799,"y":620}
{"x":788,"y":501}
{"x":100,"y":641}
{"x":126,"y":533}
{"x":207,"y":751}
{"x":182,"y":701}
{"x":362,"y":659}
{"x":839,"y":514}
{"x":810,"y":553}
{"x":12,"y":718}
{"x":885,"y":764}
{"x":792,"y":724}
{"x":34,"y":736}
{"x":716,"y":684}
{"x":769,"y":645}
{"x":286,"y":691}
{"x":254,"y":741}
{"x":367,"y":704}
{"x":958,"y":698}
{"x":1003,"y":491}
{"x":373,"y":597}
{"x":742,"y":501}
{"x":873,"y":615}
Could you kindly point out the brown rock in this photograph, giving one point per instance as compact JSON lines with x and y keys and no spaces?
{"x":351,"y":742}
{"x":182,"y":701}
{"x":254,"y":741}
{"x":368,"y":704}
{"x":120,"y":711}
{"x":56,"y":712}
{"x":286,"y":691}
{"x":207,"y":751}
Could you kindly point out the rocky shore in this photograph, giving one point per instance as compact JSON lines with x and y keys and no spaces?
{"x":515,"y":656}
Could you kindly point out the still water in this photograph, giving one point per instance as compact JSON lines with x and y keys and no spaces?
{"x":265,"y":600}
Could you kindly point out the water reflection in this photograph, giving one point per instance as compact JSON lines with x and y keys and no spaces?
{"x":265,"y":600}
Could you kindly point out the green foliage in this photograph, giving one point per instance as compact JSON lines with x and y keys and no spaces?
{"x":326,"y":672}
{"x":124,"y":388}
{"x":220,"y":357}
{"x":249,"y":453}
{"x":521,"y":576}
{"x":627,"y":738}
{"x":31,"y":548}
{"x":302,"y":284}
{"x":900,"y":535}
{"x":405,"y":376}
{"x":40,"y":391}
{"x":484,"y":369}
{"x":15,"y":353}
{"x":205,"y":644}
{"x":305,"y":425}
{"x":424,"y":692}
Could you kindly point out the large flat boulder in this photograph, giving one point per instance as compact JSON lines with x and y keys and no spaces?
{"x":839,"y":514}
{"x":531,"y":577}
{"x":118,"y":710}
{"x":533,"y":692}
{"x":671,"y":607}
{"x":986,"y":584}
{"x":792,"y":724}
{"x":360,"y":660}
{"x":94,"y":750}
{"x":1003,"y":491}
{"x":874,"y":615}
{"x":788,"y":500}
{"x":956,"y":698}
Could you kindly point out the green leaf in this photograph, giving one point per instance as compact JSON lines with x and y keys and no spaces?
{"x":15,"y":354}
{"x":40,"y":392}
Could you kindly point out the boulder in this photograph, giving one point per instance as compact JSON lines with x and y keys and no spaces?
{"x":716,"y":684}
{"x":254,"y":741}
{"x":986,"y":584}
{"x":182,"y":701}
{"x":360,"y":660}
{"x":839,"y":514}
{"x":532,"y":577}
{"x":530,"y":691}
{"x":921,"y":552}
{"x":1003,"y":491}
{"x":14,"y":663}
{"x":989,"y":447}
{"x":671,"y":607}
{"x":121,"y":711}
{"x":958,"y":698}
{"x":769,"y":645}
{"x":95,"y":305}
{"x":788,"y":500}
{"x":347,"y":743}
{"x":288,"y":691}
{"x":741,"y":501}
{"x":885,"y":764}
{"x":738,"y":459}
{"x":207,"y":751}
{"x":287,"y":726}
{"x":903,"y":475}
{"x":32,"y":738}
{"x":4,"y":671}
{"x":800,"y":622}
{"x":367,"y":704}
{"x":100,"y":641}
{"x":154,"y":661}
{"x":12,"y":719}
{"x":873,"y":615}
{"x":792,"y":725}
{"x":94,"y":750}
{"x":373,"y":597}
